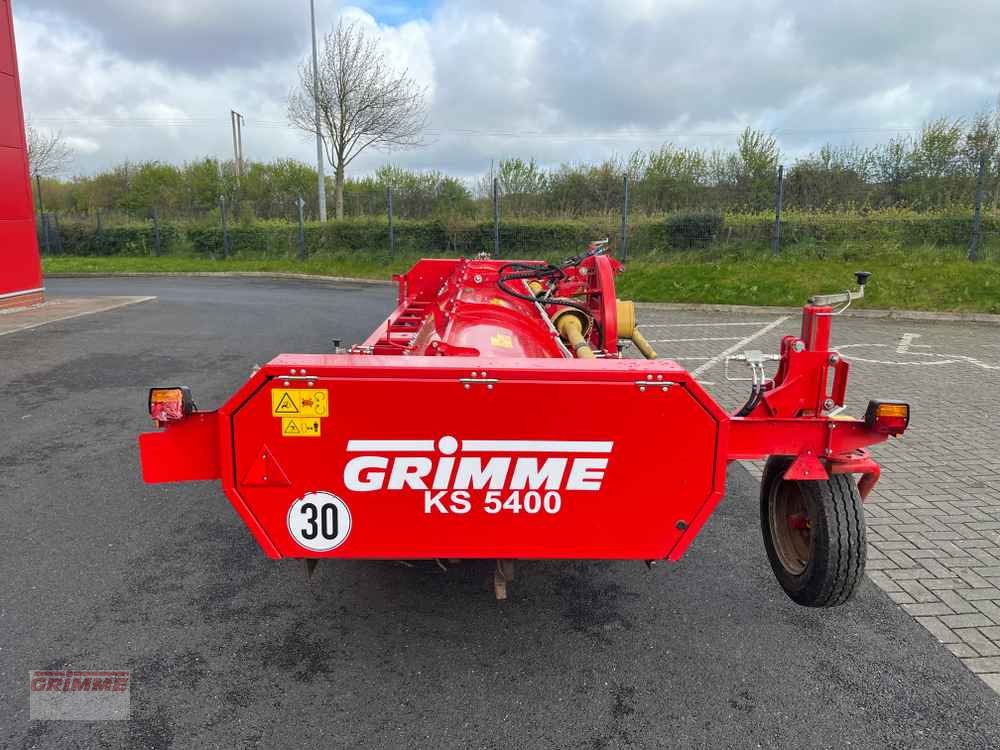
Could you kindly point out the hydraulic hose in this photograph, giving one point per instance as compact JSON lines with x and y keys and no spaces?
{"x":532,"y":272}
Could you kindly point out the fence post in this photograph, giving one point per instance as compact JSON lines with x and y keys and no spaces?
{"x":156,"y":231}
{"x":45,"y":233}
{"x":225,"y":229}
{"x":496,"y":217}
{"x":392,"y":233}
{"x":58,"y":237}
{"x":41,"y":203}
{"x":977,"y":219}
{"x":302,"y":228}
{"x":624,"y":251}
{"x":779,"y":192}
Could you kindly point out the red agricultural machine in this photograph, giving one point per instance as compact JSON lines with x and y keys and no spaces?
{"x":492,"y":415}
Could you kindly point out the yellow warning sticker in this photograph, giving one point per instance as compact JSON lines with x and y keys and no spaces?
{"x":502,"y":340}
{"x":300,"y":402}
{"x":301,"y":426}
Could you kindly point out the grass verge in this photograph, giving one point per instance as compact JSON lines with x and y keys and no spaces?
{"x":929,"y":278}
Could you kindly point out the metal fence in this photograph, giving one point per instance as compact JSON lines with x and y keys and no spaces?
{"x":230,"y":229}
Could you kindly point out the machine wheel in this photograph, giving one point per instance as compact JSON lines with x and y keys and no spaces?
{"x":814,"y":533}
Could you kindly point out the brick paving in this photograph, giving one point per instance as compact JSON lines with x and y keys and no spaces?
{"x":934,"y":518}
{"x":59,"y":308}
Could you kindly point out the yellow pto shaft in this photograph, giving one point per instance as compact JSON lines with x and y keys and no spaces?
{"x":627,"y":329}
{"x":570,"y":328}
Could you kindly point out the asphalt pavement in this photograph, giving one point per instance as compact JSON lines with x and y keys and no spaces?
{"x":230,"y":649}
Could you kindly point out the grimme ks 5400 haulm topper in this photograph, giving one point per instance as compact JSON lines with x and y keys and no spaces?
{"x":493,"y":416}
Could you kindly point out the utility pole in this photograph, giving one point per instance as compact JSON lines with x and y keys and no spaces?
{"x":237,"y":122}
{"x":319,"y":136}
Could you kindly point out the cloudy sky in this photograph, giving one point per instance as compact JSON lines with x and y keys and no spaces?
{"x":571,"y":81}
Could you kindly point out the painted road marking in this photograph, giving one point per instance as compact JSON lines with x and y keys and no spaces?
{"x":680,"y":341}
{"x":739,"y":345}
{"x":24,"y":319}
{"x":906,"y":345}
{"x":906,"y":342}
{"x":700,"y":325}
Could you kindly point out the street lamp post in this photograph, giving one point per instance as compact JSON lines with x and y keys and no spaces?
{"x":319,"y":137}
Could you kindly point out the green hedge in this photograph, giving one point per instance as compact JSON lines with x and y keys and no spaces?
{"x":905,"y":228}
{"x":430,"y":237}
{"x":527,"y":238}
{"x":688,"y":229}
{"x":75,"y":238}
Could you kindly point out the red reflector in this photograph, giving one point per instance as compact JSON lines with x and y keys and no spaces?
{"x":265,"y":471}
{"x":170,"y":404}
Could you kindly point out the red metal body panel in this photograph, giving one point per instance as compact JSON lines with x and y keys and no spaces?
{"x":187,"y":452}
{"x":623,"y":518}
{"x":20,"y":265}
{"x":463,"y":427}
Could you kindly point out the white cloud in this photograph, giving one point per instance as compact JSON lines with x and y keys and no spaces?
{"x":558,"y":81}
{"x":82,"y":145}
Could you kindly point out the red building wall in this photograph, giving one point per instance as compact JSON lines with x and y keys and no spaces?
{"x":20,"y":266}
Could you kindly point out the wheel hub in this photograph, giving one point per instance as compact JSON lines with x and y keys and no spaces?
{"x":792,"y":528}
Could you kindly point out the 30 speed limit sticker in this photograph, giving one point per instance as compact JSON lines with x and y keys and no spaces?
{"x":319,"y":521}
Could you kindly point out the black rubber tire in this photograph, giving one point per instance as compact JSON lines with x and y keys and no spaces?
{"x":837,"y":545}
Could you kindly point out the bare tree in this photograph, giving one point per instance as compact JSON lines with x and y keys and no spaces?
{"x":362,"y":101}
{"x":48,"y":152}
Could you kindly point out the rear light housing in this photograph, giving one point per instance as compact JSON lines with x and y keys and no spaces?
{"x":170,"y":404}
{"x":888,"y":417}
